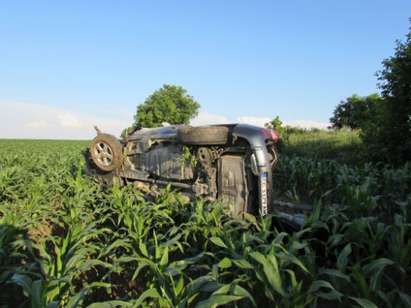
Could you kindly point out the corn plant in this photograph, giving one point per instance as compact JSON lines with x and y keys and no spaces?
{"x":65,"y":241}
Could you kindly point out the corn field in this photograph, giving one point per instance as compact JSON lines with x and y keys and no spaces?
{"x":65,"y":241}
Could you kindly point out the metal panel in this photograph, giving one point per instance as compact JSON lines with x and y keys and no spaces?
{"x":232,"y":188}
{"x":163,"y":162}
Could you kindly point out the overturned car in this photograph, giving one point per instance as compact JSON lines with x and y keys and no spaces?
{"x":232,"y":163}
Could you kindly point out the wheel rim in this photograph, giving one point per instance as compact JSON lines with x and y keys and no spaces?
{"x":103,"y":154}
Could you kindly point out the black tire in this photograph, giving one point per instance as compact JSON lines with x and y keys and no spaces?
{"x":203,"y":135}
{"x":106,"y":152}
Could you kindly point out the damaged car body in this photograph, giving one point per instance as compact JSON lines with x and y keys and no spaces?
{"x":231,"y":163}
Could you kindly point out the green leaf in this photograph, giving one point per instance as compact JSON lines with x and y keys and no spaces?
{"x":377,"y":265}
{"x":143,"y":249}
{"x":235,"y":289}
{"x":164,"y":258}
{"x":24,"y":281}
{"x":342,"y":259}
{"x":37,"y":300}
{"x":218,"y":241}
{"x":297,"y":262}
{"x":375,"y":268}
{"x":242,"y":263}
{"x":138,"y":269}
{"x":334,"y":273}
{"x":335,"y":240}
{"x":110,"y":304}
{"x":270,"y":268}
{"x":331,"y":294}
{"x":217,"y":300}
{"x":363,"y":302}
{"x":203,"y":284}
{"x":360,"y":281}
{"x":238,"y":290}
{"x":225,"y":263}
{"x":180,"y":286}
{"x":76,"y":299}
{"x":53,"y":304}
{"x":293,"y":279}
{"x":250,"y":218}
{"x":150,"y":293}
{"x":405,"y":298}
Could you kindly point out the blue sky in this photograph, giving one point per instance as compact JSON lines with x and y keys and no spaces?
{"x":99,"y":59}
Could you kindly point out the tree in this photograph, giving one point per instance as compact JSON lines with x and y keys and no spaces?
{"x":169,"y":104}
{"x":388,"y":136}
{"x":275,"y":124}
{"x":354,"y":111}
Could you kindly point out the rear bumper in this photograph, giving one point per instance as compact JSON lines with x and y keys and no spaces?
{"x":257,"y":142}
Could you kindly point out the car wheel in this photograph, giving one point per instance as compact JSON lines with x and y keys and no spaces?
{"x":106,"y":152}
{"x":203,"y":135}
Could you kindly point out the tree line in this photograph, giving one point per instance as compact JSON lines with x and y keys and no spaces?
{"x":384,"y":119}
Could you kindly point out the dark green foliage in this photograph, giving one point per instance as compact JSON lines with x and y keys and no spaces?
{"x":354,"y":111}
{"x":385,"y":121}
{"x":276,"y":124}
{"x":388,"y":135}
{"x":169,"y":104}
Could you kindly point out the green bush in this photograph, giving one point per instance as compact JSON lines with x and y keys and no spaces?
{"x":387,"y":135}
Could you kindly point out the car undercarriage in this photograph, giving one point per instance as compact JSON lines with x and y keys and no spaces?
{"x":228,"y":163}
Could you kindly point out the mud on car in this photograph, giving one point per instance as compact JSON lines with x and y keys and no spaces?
{"x":231,"y":163}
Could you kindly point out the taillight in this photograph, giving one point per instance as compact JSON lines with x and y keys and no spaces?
{"x":270,"y":134}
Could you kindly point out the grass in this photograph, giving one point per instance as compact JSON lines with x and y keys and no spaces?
{"x":344,"y":146}
{"x":65,"y":241}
